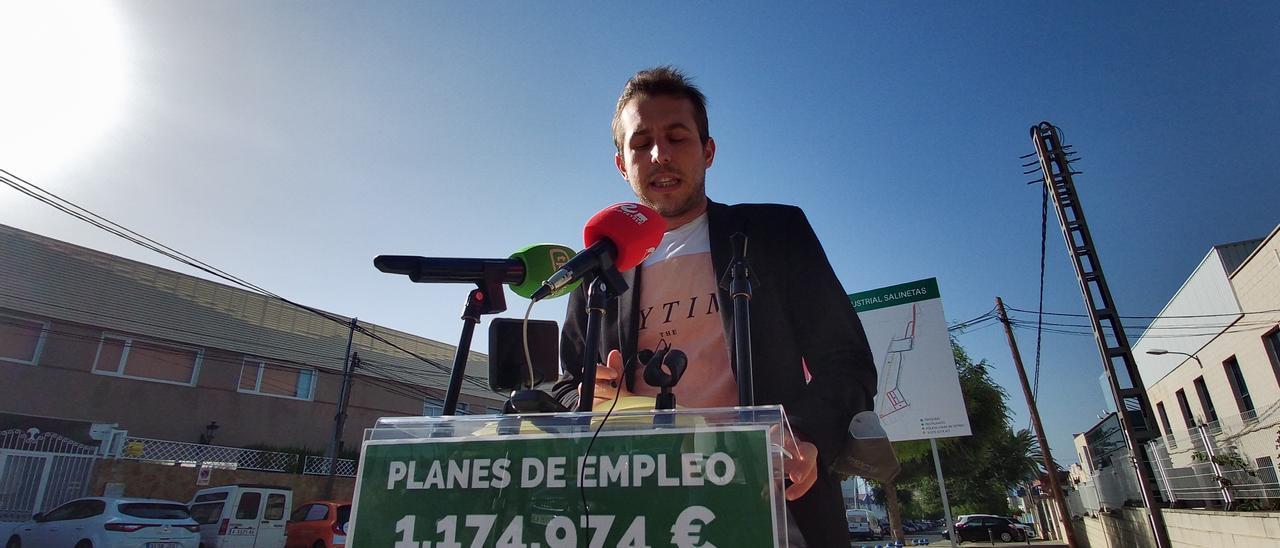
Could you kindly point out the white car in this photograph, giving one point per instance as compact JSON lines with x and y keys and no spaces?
{"x":106,"y":522}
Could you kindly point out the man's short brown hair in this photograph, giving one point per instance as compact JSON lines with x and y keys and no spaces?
{"x":658,"y":81}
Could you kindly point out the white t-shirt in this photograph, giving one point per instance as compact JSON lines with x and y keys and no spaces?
{"x":679,"y":304}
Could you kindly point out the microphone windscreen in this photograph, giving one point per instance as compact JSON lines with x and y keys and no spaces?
{"x":635,"y":230}
{"x":540,"y":262}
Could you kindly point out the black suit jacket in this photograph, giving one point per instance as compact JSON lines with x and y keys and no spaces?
{"x":799,"y":314}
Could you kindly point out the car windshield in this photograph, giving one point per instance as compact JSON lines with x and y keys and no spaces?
{"x":154,"y":510}
{"x":206,"y":513}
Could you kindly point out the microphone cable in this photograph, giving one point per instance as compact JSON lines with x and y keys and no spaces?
{"x":582,"y":489}
{"x":528,"y":360}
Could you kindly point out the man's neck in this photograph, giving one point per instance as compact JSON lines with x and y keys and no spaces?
{"x":686,"y":217}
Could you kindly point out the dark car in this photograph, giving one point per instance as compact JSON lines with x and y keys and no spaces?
{"x":984,"y":528}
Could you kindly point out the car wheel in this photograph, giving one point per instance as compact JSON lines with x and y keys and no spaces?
{"x":318,"y":544}
{"x":84,"y":544}
{"x":1006,"y":537}
{"x":14,"y":542}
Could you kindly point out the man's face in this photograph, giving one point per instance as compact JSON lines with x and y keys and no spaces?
{"x":663,"y":158}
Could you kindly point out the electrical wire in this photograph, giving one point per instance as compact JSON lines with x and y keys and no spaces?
{"x":985,"y":316}
{"x":1025,"y":326}
{"x":1222,"y":315}
{"x":1044,"y":232}
{"x":582,"y":489}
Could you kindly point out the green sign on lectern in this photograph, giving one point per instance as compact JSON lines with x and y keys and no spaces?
{"x":695,"y":479}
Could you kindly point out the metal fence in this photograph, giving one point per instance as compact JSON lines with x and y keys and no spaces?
{"x":216,"y":456}
{"x":319,"y":466}
{"x":41,"y":470}
{"x":1111,"y":487}
{"x":1228,"y":460}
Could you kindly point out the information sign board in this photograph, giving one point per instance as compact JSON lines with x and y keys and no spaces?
{"x":918,"y":396}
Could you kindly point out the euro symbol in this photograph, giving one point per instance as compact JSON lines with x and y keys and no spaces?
{"x":687,"y":531}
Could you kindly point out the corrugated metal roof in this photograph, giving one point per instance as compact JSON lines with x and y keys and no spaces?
{"x":56,"y":279}
{"x":1234,"y":254}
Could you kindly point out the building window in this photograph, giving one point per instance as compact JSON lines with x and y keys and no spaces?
{"x":273,"y":379}
{"x":1164,"y":419}
{"x":1239,"y":388}
{"x":135,"y":358}
{"x":434,"y":407}
{"x":1206,"y":403}
{"x":21,"y":339}
{"x":1186,"y":409}
{"x":1272,"y":342}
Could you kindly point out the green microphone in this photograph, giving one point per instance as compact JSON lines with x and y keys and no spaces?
{"x":540,"y":262}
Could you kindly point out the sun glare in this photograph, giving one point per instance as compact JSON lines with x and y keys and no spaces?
{"x":63,"y":64}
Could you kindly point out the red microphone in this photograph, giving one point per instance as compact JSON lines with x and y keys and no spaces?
{"x":622,"y":234}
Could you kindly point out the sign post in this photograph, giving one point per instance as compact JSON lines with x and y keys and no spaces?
{"x":942,"y":486}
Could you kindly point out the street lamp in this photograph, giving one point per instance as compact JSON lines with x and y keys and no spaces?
{"x":1161,"y":352}
{"x":209,"y":429}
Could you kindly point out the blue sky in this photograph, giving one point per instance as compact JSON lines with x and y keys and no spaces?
{"x":290,"y":142}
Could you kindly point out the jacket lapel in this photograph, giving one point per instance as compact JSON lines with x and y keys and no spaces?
{"x":721,"y":223}
{"x":628,"y":314}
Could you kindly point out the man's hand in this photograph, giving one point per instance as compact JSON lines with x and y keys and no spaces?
{"x":801,"y":467}
{"x":609,"y":382}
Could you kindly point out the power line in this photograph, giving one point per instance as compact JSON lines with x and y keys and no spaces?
{"x":1170,"y":327}
{"x":1025,"y":326}
{"x":474,"y":380}
{"x":1226,"y":314}
{"x":984,"y":317}
{"x":1044,"y":231}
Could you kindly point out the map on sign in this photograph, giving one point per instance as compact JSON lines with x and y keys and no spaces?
{"x":918,"y":395}
{"x":891,"y":398}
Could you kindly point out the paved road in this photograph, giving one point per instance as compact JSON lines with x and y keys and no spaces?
{"x":935,"y":540}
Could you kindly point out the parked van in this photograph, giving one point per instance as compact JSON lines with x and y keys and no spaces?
{"x":242,"y":515}
{"x":863,"y":525}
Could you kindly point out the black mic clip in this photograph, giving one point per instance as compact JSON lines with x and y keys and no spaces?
{"x":737,"y":279}
{"x":609,"y":278}
{"x":491,"y":298}
{"x":663,"y":370}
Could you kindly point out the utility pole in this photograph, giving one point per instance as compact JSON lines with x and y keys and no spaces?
{"x":340,"y":417}
{"x":1050,"y":469}
{"x":1132,"y":406}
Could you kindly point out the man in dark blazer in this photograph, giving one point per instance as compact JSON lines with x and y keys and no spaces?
{"x":801,"y":317}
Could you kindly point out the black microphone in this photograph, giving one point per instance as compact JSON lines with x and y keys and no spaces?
{"x":523,"y":271}
{"x":449,"y":270}
{"x":586,"y":261}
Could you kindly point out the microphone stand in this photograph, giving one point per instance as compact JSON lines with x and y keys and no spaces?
{"x":740,"y":292}
{"x":486,"y":298}
{"x":605,"y":286}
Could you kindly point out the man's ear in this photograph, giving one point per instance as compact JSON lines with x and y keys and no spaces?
{"x":709,"y":152}
{"x":621,"y":163}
